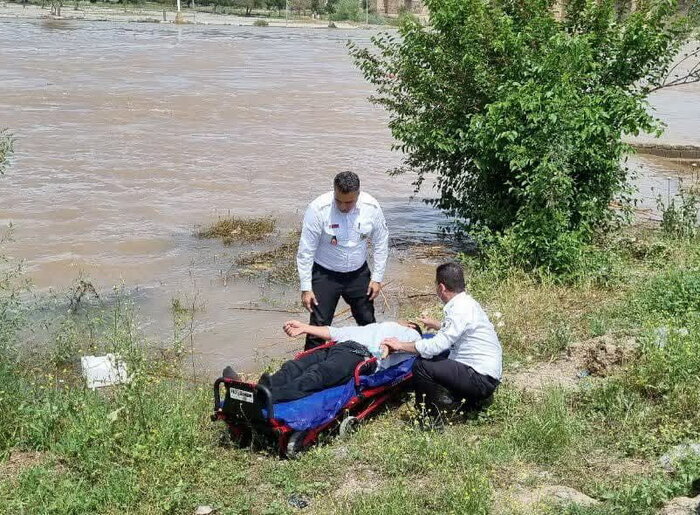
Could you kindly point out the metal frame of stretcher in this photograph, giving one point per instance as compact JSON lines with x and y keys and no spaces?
{"x":248,"y":411}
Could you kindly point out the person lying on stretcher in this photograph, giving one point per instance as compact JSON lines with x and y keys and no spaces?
{"x":334,"y":365}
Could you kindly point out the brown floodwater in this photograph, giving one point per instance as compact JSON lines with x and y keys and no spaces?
{"x":130,"y":136}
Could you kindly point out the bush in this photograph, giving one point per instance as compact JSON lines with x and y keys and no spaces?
{"x":6,"y":142}
{"x":674,"y":294}
{"x":680,"y":221}
{"x":521,"y":116}
{"x":260,"y":23}
{"x":346,"y":10}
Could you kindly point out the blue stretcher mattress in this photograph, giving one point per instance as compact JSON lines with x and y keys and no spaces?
{"x":318,"y":408}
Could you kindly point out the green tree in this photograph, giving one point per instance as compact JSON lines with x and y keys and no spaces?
{"x":6,"y":141}
{"x":520,"y":115}
{"x":248,"y":5}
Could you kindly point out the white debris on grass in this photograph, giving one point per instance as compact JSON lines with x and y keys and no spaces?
{"x":100,"y":371}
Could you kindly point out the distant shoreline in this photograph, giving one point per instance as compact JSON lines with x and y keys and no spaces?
{"x":145,"y":14}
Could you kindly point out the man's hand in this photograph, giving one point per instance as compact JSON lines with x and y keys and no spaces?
{"x":430,"y":323}
{"x":392,"y":344}
{"x":294,"y":328}
{"x":384,"y":350}
{"x":374,"y":289}
{"x":308,"y":299}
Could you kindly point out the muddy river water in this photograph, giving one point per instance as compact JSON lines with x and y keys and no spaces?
{"x":129,"y":136}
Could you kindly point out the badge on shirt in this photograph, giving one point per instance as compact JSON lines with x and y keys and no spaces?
{"x":334,"y":226}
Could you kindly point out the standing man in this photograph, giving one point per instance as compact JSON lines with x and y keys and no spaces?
{"x":332,"y":257}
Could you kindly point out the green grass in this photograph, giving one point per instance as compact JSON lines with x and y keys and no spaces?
{"x":149,"y":447}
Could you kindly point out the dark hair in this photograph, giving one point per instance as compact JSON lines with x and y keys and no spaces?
{"x":347,"y":182}
{"x":452,"y":276}
{"x":416,"y":327}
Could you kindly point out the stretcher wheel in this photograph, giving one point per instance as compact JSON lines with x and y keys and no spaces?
{"x":295,"y":444}
{"x":240,"y":436}
{"x":349,"y":426}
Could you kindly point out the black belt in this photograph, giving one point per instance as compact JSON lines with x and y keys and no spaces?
{"x":323,"y":269}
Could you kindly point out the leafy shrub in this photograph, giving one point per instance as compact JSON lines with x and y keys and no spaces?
{"x":521,"y":116}
{"x":260,"y":23}
{"x":346,"y":10}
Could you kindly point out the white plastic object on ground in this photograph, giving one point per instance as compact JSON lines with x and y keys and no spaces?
{"x":102,"y":371}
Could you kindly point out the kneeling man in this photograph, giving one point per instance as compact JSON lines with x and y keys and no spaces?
{"x":461,"y":365}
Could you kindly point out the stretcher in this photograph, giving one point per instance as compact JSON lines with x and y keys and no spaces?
{"x":294,"y":426}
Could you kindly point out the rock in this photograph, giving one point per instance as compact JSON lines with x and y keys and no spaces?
{"x":297,"y":501}
{"x":564,"y":494}
{"x":204,"y":510}
{"x":531,"y":500}
{"x":669,"y":460}
{"x":682,"y":506}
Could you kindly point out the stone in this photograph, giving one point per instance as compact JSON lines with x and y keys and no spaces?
{"x":204,"y":510}
{"x":669,"y":460}
{"x":564,"y":494}
{"x":550,"y":495}
{"x":682,"y":506}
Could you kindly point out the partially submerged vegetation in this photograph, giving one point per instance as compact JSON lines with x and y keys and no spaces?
{"x":277,"y":265}
{"x":239,"y":230}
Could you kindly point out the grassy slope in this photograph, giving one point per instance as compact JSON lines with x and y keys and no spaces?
{"x":150,"y":448}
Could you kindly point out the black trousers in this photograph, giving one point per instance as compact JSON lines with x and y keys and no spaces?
{"x":446,"y":385}
{"x":316,"y":371}
{"x":329,"y":286}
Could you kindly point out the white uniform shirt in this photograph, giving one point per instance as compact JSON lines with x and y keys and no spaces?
{"x":338,"y":241}
{"x":371,"y":336}
{"x":469,"y":335}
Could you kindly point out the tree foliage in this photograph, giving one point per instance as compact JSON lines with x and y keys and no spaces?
{"x":520,"y":115}
{"x":6,"y":142}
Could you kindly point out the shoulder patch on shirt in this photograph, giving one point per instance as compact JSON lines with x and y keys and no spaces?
{"x":368,"y":200}
{"x":322,"y":201}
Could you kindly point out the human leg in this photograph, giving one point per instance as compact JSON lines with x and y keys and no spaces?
{"x":448,"y":385}
{"x":355,"y":294}
{"x":292,"y":369}
{"x":336,"y":368}
{"x":327,"y":290}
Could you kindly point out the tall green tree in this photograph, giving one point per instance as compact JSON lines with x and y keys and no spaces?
{"x":520,"y":114}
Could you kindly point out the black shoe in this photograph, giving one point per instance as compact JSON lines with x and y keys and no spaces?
{"x":230,"y":373}
{"x":264,"y":380}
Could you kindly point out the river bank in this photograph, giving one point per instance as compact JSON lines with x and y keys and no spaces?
{"x":155,"y":13}
{"x":599,"y":383}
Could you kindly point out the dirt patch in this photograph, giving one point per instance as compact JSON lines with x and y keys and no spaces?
{"x":561,"y":372}
{"x":359,"y":481}
{"x":601,"y":356}
{"x":19,"y":461}
{"x":597,"y":357}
